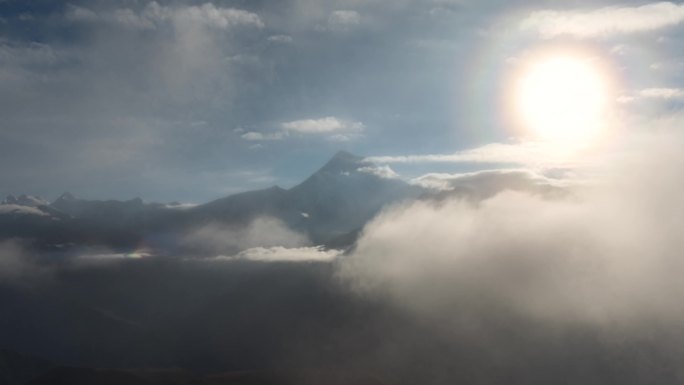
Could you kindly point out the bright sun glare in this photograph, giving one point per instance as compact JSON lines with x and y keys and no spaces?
{"x":562,"y":99}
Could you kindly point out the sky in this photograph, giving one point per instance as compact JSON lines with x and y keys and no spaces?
{"x":191,"y":101}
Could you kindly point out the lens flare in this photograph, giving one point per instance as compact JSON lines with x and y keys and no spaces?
{"x":562,"y":99}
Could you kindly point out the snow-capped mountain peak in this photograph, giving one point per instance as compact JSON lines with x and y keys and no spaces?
{"x":344,"y":162}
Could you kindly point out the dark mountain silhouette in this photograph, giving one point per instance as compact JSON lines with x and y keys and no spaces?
{"x":336,"y":200}
{"x":330,"y":205}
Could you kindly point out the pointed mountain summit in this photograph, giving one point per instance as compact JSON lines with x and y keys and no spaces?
{"x":68,"y":204}
{"x":337,"y":199}
{"x":344,"y":161}
{"x":67,"y":196}
{"x":342,"y":196}
{"x":342,"y":165}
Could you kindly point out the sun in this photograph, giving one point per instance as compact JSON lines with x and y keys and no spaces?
{"x":562,"y":99}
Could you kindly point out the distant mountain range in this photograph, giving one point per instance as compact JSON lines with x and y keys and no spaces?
{"x":329,"y":207}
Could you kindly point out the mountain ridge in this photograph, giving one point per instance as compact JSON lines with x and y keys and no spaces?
{"x":336,"y":200}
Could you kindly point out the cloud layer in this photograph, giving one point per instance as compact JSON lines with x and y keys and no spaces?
{"x":284,"y":254}
{"x":527,"y":153}
{"x":484,"y":184}
{"x":219,"y":239}
{"x":606,"y":21}
{"x":609,"y":253}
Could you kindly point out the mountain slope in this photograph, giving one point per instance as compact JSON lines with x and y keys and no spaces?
{"x":344,"y":194}
{"x":337,"y":199}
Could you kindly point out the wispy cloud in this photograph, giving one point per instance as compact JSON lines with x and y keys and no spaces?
{"x":332,"y":128}
{"x":284,"y":254}
{"x":604,"y":21}
{"x":381,"y":171}
{"x":662,"y":93}
{"x":218,"y":239}
{"x":653,"y":93}
{"x":342,"y":18}
{"x":524,"y":153}
{"x":325,"y":125}
{"x":489,"y":182}
{"x":280,"y":38}
{"x":154,"y":14}
{"x":257,"y":136}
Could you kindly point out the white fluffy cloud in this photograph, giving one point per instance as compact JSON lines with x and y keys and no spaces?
{"x":332,"y":128}
{"x":604,"y":21}
{"x":609,"y":253}
{"x":284,"y":254}
{"x":381,"y":171}
{"x":325,"y":125}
